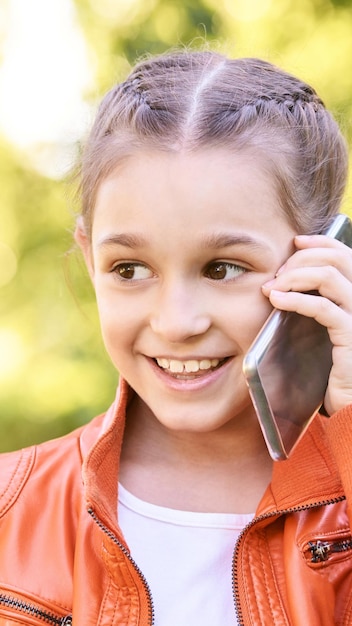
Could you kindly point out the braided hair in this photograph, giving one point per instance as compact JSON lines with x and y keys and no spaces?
{"x":187,"y":101}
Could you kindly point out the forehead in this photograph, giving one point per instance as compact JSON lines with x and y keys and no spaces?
{"x":179,"y":204}
{"x":188,"y":184}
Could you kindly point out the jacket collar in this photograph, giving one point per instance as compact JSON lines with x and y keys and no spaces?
{"x":309,"y":477}
{"x":101,"y":443}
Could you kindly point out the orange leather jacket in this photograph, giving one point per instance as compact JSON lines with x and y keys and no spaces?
{"x":63,"y":559}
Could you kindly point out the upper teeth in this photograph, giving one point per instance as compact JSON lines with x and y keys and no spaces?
{"x":177,"y":367}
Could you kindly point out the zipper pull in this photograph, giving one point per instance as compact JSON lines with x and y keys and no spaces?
{"x":319,"y":550}
{"x":67,"y":621}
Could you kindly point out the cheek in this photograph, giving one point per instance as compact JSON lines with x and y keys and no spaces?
{"x":119,"y":320}
{"x":246,"y":318}
{"x":118,"y":341}
{"x":114,"y":326}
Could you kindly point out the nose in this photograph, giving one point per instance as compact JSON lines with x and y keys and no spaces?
{"x":180,"y":313}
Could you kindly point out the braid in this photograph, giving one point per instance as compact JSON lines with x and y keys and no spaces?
{"x":133,"y":89}
{"x":122,"y":101}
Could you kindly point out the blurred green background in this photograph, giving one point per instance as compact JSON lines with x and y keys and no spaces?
{"x":54,"y":373}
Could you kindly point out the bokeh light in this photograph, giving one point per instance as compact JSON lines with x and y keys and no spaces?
{"x":8,"y":264}
{"x":43,"y":77}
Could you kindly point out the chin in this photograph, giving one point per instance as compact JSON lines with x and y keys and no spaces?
{"x":193,"y":424}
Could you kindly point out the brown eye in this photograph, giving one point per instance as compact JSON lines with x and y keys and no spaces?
{"x":217,"y":271}
{"x":125,"y":271}
{"x":223,"y":271}
{"x":132,"y":271}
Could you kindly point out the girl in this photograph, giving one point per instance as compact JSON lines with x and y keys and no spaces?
{"x":203,"y":184}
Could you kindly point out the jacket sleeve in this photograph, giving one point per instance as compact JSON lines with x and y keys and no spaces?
{"x":15,"y":468}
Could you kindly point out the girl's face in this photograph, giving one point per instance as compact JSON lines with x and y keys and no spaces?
{"x":181,"y":245}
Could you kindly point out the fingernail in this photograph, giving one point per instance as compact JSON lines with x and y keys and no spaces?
{"x":268,"y":284}
{"x":277,"y":294}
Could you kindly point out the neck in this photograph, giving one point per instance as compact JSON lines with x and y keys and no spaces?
{"x":225,"y":471}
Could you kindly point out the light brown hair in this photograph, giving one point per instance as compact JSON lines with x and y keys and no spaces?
{"x":187,"y":101}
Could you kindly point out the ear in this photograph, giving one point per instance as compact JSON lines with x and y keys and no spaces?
{"x":84,"y":243}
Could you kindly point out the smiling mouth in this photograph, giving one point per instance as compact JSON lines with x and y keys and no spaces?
{"x":193,"y":367}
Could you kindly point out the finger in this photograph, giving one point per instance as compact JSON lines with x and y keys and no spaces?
{"x":327,"y":281}
{"x":319,"y":241}
{"x":338,"y":257}
{"x":323,"y":310}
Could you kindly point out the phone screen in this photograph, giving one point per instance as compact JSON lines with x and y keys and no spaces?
{"x":292,"y":369}
{"x":287,"y":369}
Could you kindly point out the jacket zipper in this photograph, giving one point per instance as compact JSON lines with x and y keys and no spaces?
{"x":322,"y":550}
{"x":236,"y":595}
{"x":123,"y":548}
{"x":31,"y":609}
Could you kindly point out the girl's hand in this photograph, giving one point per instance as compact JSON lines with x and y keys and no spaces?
{"x":325,"y":265}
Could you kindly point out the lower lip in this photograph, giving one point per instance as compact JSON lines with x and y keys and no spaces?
{"x":190,"y":384}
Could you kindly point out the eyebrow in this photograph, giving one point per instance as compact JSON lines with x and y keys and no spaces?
{"x":128,"y":240}
{"x":214,"y":240}
{"x":225,"y":240}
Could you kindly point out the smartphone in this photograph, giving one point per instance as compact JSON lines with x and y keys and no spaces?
{"x":287,"y":368}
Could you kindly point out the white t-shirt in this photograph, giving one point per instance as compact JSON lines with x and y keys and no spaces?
{"x":186,"y":558}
